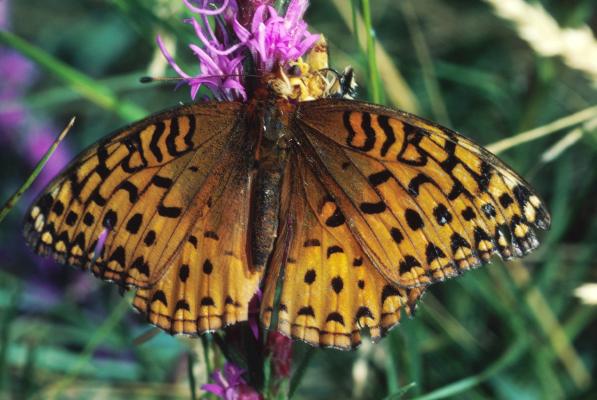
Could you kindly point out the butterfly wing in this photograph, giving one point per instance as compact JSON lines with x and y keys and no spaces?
{"x":328,"y":288}
{"x":154,"y":194}
{"x":423,"y":202}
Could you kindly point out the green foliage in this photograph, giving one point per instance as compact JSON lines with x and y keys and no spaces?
{"x":509,"y":330}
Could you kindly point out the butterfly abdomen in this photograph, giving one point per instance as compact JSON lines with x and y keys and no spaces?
{"x":266,"y":183}
{"x":265,"y":207}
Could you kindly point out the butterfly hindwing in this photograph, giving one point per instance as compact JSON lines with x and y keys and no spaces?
{"x":329,"y":290}
{"x":424,"y":202}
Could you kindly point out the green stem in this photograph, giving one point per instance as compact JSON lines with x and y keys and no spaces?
{"x":10,"y":203}
{"x":371,"y":57}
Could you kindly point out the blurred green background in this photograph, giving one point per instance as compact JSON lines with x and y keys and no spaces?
{"x":505,"y":331}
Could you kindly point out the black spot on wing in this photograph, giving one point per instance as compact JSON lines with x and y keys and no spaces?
{"x":88,"y":219}
{"x":310,"y":276}
{"x":134,"y":223}
{"x":140,"y":265}
{"x":397,"y":236}
{"x":388,"y":291}
{"x":506,"y":200}
{"x":182,"y":305}
{"x":211,"y":235}
{"x":380,"y":177}
{"x":307,"y":310}
{"x":58,"y":208}
{"x":208,"y":267}
{"x":415,"y":183}
{"x":413,"y":219}
{"x":468,"y":214}
{"x":161,"y":182}
{"x":131,"y":189}
{"x":169,"y":212}
{"x":334,"y":250}
{"x":389,"y":133}
{"x":373,"y":208}
{"x":155,"y":137}
{"x":312,"y":243}
{"x":149,"y":238}
{"x":442,"y":215}
{"x":207,"y":301}
{"x":161,"y":297}
{"x":110,"y":219}
{"x":433,"y":253}
{"x":408,"y":263}
{"x":337,"y":284}
{"x":457,"y":241}
{"x":183,"y":272}
{"x":336,"y":317}
{"x":336,"y":219}
{"x":364,"y":312}
{"x":71,"y":219}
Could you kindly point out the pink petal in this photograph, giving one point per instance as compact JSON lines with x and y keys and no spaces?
{"x":206,"y":11}
{"x":214,"y":389}
{"x":170,"y":59}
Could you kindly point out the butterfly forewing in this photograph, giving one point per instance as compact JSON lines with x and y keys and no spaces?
{"x":157,"y":192}
{"x":437,"y":203}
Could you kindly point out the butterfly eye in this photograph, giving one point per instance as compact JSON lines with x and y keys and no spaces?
{"x":294,"y":70}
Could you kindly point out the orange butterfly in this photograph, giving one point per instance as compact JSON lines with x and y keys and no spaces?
{"x":343,"y":212}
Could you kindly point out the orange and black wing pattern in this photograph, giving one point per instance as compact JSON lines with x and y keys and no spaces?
{"x":423,"y":202}
{"x":145,"y":208}
{"x":376,"y":205}
{"x":321,"y":282}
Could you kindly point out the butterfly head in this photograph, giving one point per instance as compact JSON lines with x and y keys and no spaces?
{"x":311,"y":78}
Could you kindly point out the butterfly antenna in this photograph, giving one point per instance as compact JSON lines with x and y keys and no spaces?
{"x":151,"y":79}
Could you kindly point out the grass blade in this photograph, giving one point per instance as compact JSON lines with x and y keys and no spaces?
{"x":10,"y":203}
{"x":297,"y":377}
{"x":547,"y":129}
{"x":374,"y":80}
{"x":513,"y":354}
{"x":78,"y":81}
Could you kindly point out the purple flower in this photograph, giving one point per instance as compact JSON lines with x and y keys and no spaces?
{"x":254,"y":309}
{"x":101,"y":242}
{"x":247,"y":9}
{"x":229,"y":384}
{"x":275,"y":40}
{"x":280,"y":349}
{"x":18,"y":73}
{"x":269,"y":39}
{"x":220,"y":61}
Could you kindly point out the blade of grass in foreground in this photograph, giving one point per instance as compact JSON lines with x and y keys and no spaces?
{"x":297,"y":377}
{"x":552,"y":127}
{"x":438,"y":106}
{"x":374,"y":80}
{"x":398,"y":91}
{"x":78,"y":81}
{"x":15,"y":197}
{"x":513,"y":354}
{"x":54,"y":391}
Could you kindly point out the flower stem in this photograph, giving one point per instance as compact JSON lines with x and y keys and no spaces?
{"x":371,"y":58}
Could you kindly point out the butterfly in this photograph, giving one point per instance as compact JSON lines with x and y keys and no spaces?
{"x":342,"y":212}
